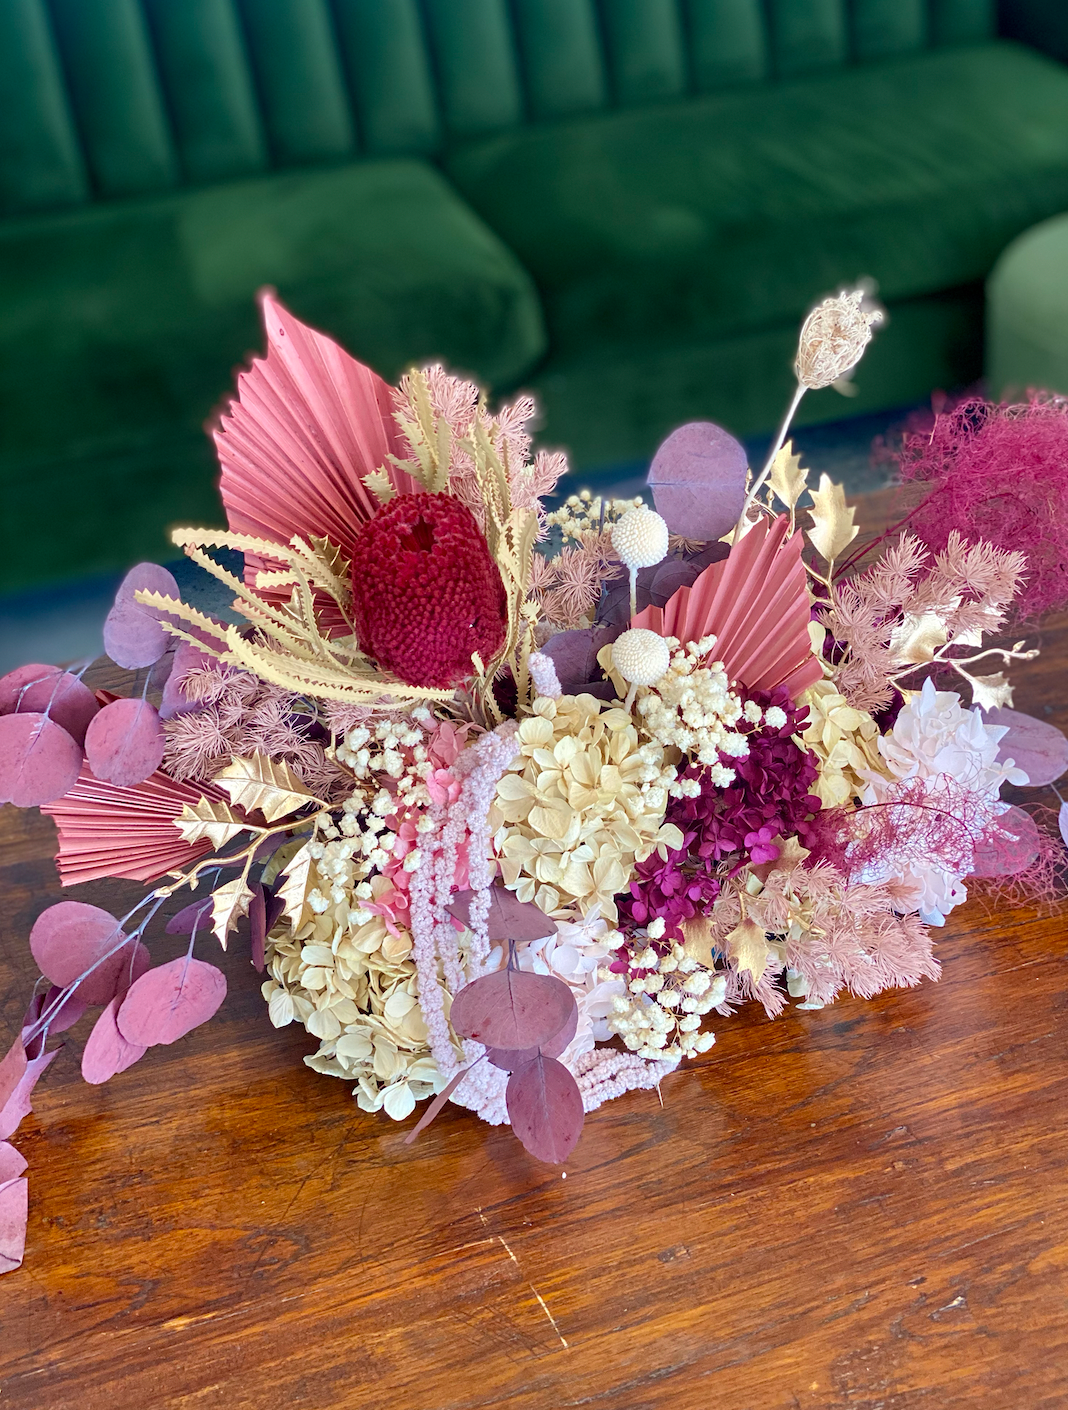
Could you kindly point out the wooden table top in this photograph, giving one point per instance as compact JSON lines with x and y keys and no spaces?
{"x":862,"y":1208}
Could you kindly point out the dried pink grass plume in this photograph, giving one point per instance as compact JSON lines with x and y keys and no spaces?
{"x":459,"y":403}
{"x":239,"y":714}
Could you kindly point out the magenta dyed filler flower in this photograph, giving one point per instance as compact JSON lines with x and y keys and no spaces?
{"x":769,"y":798}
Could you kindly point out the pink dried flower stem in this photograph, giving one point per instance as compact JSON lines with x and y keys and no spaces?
{"x":424,"y":950}
{"x":434,"y":937}
{"x":858,"y":554}
{"x":606,"y":1073}
{"x":484,"y":765}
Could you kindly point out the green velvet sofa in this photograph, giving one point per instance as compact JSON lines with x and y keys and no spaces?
{"x":623,"y":204}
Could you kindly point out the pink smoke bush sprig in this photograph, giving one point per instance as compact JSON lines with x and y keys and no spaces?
{"x":994,"y":473}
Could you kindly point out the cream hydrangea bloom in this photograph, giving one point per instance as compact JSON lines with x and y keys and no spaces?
{"x":845,"y":741}
{"x":354,"y":987}
{"x":583,"y":800}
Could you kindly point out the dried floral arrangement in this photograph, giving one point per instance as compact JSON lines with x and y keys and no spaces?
{"x":512,"y":805}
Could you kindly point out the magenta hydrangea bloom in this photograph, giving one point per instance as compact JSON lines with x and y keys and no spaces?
{"x":769,"y":798}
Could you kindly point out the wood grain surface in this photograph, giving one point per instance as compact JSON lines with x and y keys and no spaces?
{"x":862,"y":1208}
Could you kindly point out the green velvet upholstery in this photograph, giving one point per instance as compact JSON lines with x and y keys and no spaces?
{"x":962,"y":21}
{"x":476,"y":63}
{"x":298,"y":73}
{"x":728,"y":43}
{"x":645,"y":50}
{"x":882,"y":28}
{"x":738,"y":210}
{"x":560,"y":57}
{"x":664,"y":184}
{"x":140,"y":313}
{"x":1027,"y":313}
{"x":40,"y":158}
{"x":107,"y":56}
{"x":389,"y":75}
{"x":208,"y":87}
{"x":808,"y":37}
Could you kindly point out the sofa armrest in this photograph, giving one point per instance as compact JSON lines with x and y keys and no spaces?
{"x":1040,"y":23}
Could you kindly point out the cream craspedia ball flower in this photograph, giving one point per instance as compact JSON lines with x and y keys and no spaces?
{"x":640,"y":538}
{"x":640,"y":656}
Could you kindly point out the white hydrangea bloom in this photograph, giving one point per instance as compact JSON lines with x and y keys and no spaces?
{"x":935,"y":739}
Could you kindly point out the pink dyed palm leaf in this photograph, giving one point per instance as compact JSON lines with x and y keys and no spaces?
{"x":108,"y":830}
{"x":756,"y":603}
{"x":309,"y":423}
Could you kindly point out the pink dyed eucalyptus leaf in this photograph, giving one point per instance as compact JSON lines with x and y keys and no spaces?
{"x":175,"y":701}
{"x":11,"y":1070}
{"x":63,"y":698}
{"x":545,"y":1109}
{"x":195,"y":916}
{"x":698,"y":481}
{"x":39,"y":761}
{"x":125,"y":742}
{"x":508,"y":918}
{"x":107,"y":1052}
{"x":1035,"y":746}
{"x":133,"y":636}
{"x":512,"y":1009}
{"x":18,"y":1105}
{"x":510,"y":1060}
{"x":170,"y":1001}
{"x":14,"y":1206}
{"x":72,"y":937}
{"x":70,"y":1010}
{"x":15,"y":684}
{"x":12,"y":1163}
{"x":1009,"y":846}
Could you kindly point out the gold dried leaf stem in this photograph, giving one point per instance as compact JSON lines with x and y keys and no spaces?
{"x":175,"y":607}
{"x":190,"y":877}
{"x":958,"y":663}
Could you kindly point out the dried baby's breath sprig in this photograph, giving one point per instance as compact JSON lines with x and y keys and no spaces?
{"x":585,"y":513}
{"x":667,"y":996}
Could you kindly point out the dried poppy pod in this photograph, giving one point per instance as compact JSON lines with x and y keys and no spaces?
{"x":833,"y":339}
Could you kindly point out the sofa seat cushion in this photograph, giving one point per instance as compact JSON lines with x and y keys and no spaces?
{"x":737,"y":211}
{"x":121,"y":322}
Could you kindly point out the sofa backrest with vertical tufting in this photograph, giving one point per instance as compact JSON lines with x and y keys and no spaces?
{"x":537,"y":191}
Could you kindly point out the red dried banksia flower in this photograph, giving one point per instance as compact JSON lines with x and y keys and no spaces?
{"x":425,"y":591}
